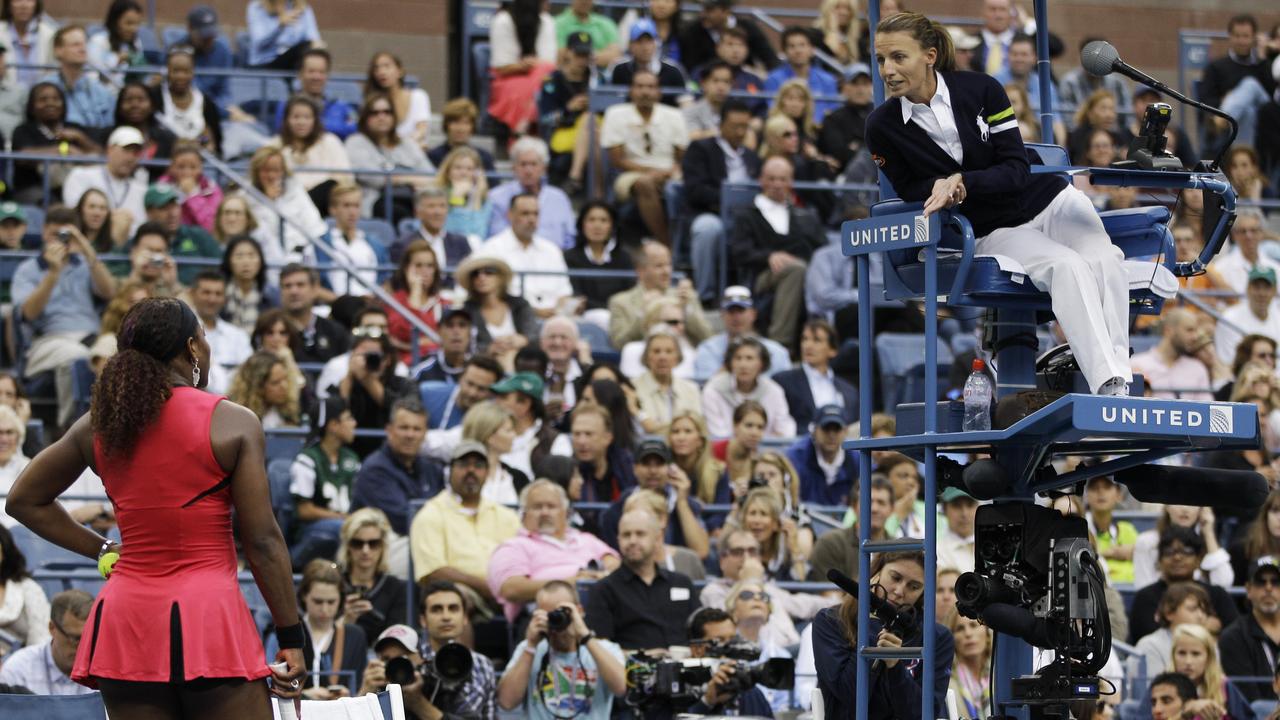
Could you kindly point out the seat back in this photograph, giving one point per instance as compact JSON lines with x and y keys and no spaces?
{"x":1050,"y":154}
{"x":44,"y":707}
{"x":480,"y":68}
{"x":278,"y":480}
{"x":902,"y":371}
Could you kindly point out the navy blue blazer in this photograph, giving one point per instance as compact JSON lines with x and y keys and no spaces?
{"x":800,"y":397}
{"x":1001,"y":191}
{"x":813,"y":482}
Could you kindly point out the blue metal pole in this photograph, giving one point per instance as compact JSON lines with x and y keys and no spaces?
{"x":930,"y":476}
{"x":865,"y":341}
{"x":1042,"y":67}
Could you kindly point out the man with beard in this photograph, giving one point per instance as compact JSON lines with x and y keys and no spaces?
{"x":641,"y":605}
{"x":545,"y":550}
{"x":1177,"y":360}
{"x":1250,"y":645}
{"x":454,"y":534}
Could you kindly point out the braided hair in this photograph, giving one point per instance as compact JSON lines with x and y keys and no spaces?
{"x":135,"y":385}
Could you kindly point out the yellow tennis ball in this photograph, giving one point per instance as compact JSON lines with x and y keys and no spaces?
{"x":107,"y":563}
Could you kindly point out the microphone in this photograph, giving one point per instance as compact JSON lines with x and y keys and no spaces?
{"x":1020,"y":623}
{"x":1100,"y":58}
{"x":1238,"y":489}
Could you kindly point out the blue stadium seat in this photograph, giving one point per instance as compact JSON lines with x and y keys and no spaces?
{"x":406,"y":226}
{"x":44,"y":707}
{"x":259,"y":96}
{"x":257,"y":604}
{"x":35,"y":223}
{"x":1129,"y":710}
{"x":480,"y":66}
{"x":1263,"y":708}
{"x":380,"y":230}
{"x":173,"y":34}
{"x":346,"y":91}
{"x":82,"y":378}
{"x":240,"y":54}
{"x":602,"y":350}
{"x":283,"y":447}
{"x":281,"y":500}
{"x":901,"y":362}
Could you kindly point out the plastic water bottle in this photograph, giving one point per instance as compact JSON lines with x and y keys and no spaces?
{"x":977,"y":399}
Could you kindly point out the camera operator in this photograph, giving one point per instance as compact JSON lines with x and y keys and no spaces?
{"x":438,"y":686}
{"x":898,"y":578}
{"x":713,"y":625}
{"x":549,"y":675}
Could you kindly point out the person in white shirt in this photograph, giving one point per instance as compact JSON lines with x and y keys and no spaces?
{"x":523,"y":250}
{"x":120,"y":179}
{"x":350,"y":246}
{"x":45,"y":669}
{"x":955,"y":545}
{"x":229,"y":345}
{"x":1246,"y":240}
{"x":1256,"y":314}
{"x":646,"y":141}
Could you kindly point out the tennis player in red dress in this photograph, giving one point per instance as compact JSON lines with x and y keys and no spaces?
{"x":170,"y":636}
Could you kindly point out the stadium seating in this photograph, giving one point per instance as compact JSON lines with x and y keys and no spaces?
{"x":44,"y":707}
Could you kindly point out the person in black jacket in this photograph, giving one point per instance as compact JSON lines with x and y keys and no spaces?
{"x":1239,"y":83}
{"x":597,"y":249}
{"x":843,"y":133}
{"x":772,"y":242}
{"x":644,"y":54}
{"x":698,"y":42}
{"x":1181,"y":551}
{"x":707,"y":164}
{"x":949,"y":139}
{"x":1248,"y":646}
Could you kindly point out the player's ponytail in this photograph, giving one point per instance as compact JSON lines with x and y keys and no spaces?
{"x":929,"y":33}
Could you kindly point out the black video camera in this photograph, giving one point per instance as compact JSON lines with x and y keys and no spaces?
{"x":679,"y":683}
{"x":1147,"y":150}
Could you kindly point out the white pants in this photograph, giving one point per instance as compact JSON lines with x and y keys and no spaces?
{"x":1067,"y":253}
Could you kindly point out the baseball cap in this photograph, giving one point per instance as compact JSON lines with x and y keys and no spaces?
{"x":856,"y":70}
{"x":953,"y":493}
{"x":10,"y":210}
{"x":402,"y":634}
{"x":1263,"y":273}
{"x":469,"y":447}
{"x":1140,"y":90}
{"x":642,"y":27}
{"x":830,"y":414}
{"x":455,"y":310}
{"x":124,"y":136}
{"x":159,"y":195}
{"x":522,"y":382}
{"x":202,"y":21}
{"x":653,"y":446}
{"x":736,"y":296}
{"x":1266,"y":562}
{"x":579,"y":43}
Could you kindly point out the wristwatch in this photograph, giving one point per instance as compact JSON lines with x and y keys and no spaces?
{"x":589,"y":637}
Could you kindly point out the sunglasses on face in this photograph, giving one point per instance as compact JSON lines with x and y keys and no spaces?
{"x":374,"y":544}
{"x":749,"y":595}
{"x":487,"y":271}
{"x":380,"y":111}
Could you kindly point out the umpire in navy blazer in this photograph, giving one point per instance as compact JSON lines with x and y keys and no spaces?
{"x":950,"y":139}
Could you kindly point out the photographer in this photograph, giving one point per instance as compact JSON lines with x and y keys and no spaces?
{"x":895,"y":688}
{"x":444,"y":684}
{"x":567,"y":682}
{"x":371,"y":384}
{"x":709,"y":626}
{"x":396,"y":642}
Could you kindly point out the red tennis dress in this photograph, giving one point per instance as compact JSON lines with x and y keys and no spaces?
{"x":172,"y":609}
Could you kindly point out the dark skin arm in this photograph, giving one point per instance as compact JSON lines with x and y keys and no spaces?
{"x":240,"y":449}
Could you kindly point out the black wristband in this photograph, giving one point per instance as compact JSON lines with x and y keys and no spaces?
{"x":291,"y":637}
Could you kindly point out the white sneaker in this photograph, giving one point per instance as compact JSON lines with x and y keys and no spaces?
{"x":1115,"y":386}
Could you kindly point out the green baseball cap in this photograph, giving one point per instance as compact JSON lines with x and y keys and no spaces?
{"x":954,"y":493}
{"x":522,"y":382}
{"x":159,"y":195}
{"x":12,"y":211}
{"x":1259,"y":272}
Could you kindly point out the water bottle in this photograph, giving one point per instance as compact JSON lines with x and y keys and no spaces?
{"x":977,"y":399}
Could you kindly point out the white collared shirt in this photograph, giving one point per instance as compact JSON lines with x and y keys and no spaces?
{"x":734,"y":165}
{"x":830,"y":469}
{"x":822,"y":386}
{"x":357,"y":251}
{"x":33,"y":668}
{"x":543,"y":292}
{"x":937,"y":119}
{"x":778,"y":215}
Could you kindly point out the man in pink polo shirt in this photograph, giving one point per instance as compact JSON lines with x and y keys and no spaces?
{"x":545,"y":549}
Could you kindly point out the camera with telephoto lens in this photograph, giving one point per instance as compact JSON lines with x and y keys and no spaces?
{"x":680,"y":683}
{"x":559,"y":619}
{"x":373,"y":360}
{"x":446,"y":673}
